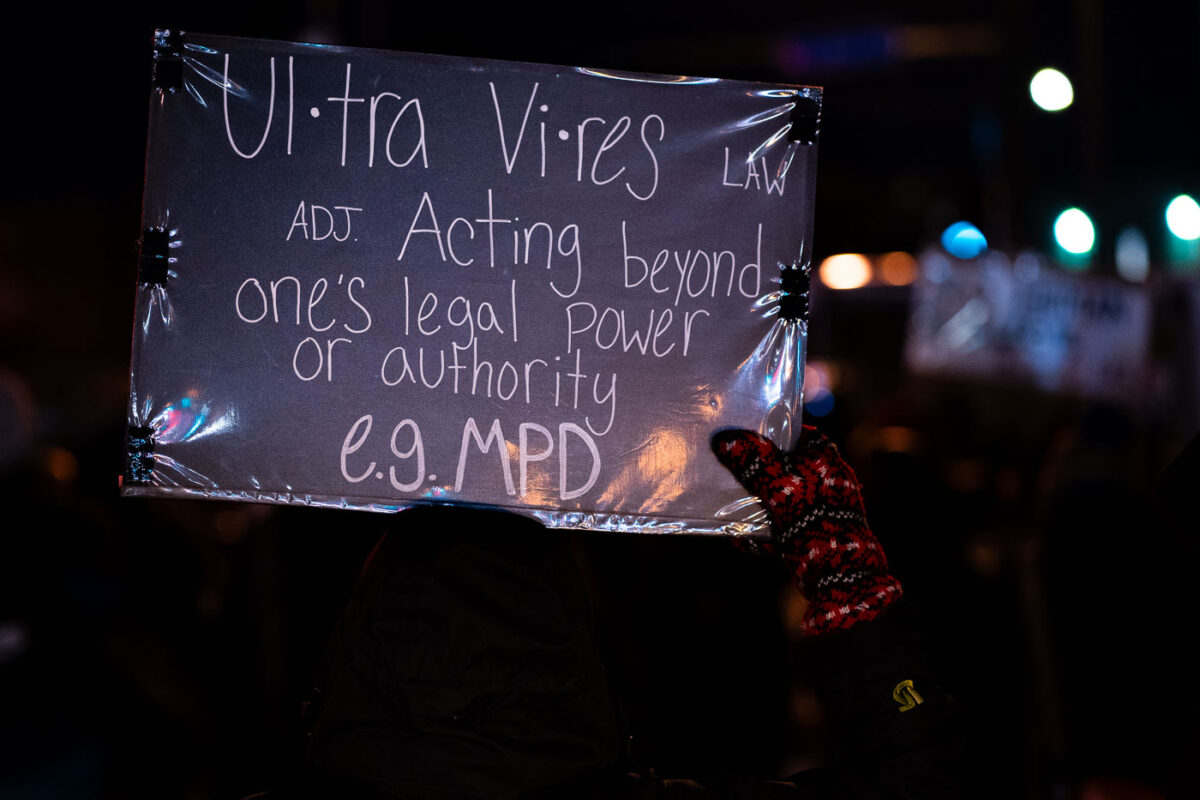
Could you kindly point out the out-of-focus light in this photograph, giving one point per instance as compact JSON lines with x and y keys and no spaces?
{"x":1026,"y":266}
{"x":845,"y":271}
{"x":1074,"y":232}
{"x":62,"y":465}
{"x":935,"y":266}
{"x":1051,"y":90}
{"x":998,"y":261}
{"x":967,"y":475}
{"x":1183,"y":217}
{"x":963,"y":240}
{"x":813,"y":381}
{"x":14,"y":640}
{"x":897,"y":439}
{"x":819,"y":377}
{"x":898,"y":268}
{"x":1133,"y":255}
{"x":820,"y":405}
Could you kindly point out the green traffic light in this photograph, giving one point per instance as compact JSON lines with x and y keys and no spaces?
{"x":1051,"y":90}
{"x":1183,"y":217}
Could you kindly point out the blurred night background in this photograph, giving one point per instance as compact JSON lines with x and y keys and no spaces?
{"x":162,"y":648}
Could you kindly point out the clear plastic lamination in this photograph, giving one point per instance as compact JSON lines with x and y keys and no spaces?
{"x":371,"y":280}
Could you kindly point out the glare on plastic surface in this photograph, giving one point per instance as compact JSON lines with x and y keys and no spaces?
{"x":845,"y":271}
{"x":963,"y":240}
{"x":1074,"y":232}
{"x":897,"y":268}
{"x":1133,"y":255}
{"x":1051,"y":90}
{"x":1183,"y":217}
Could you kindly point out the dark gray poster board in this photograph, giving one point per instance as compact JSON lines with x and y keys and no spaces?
{"x":373,"y":279}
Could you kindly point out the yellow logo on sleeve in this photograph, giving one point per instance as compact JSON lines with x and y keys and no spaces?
{"x":907,"y":696}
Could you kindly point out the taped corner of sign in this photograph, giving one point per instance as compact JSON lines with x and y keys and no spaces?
{"x":159,"y":434}
{"x":139,"y":455}
{"x":168,"y":61}
{"x":794,"y":284}
{"x":154,"y":256}
{"x":805,"y":121}
{"x":154,"y":271}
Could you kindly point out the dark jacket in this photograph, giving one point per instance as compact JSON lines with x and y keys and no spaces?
{"x":465,"y":667}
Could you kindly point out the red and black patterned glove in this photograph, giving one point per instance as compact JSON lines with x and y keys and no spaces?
{"x":815,"y":504}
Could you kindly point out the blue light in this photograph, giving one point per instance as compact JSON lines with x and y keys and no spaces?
{"x":963,"y":240}
{"x":1132,"y":255}
{"x":820,"y":405}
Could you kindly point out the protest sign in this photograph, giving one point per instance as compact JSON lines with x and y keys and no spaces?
{"x":1027,"y":323}
{"x":373,"y":279}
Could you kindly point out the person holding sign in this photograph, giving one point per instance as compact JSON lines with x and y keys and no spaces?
{"x":465,"y":665}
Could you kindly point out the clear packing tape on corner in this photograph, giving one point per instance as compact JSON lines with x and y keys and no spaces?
{"x":372,"y":280}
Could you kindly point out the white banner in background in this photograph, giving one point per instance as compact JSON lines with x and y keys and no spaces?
{"x":1027,"y":322}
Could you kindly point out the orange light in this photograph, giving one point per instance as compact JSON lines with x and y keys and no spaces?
{"x":897,"y":439}
{"x":819,"y":376}
{"x":898,"y":268}
{"x":61,"y":464}
{"x":845,"y":271}
{"x":813,"y":381}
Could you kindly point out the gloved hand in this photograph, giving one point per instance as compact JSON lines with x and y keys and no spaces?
{"x":820,"y":529}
